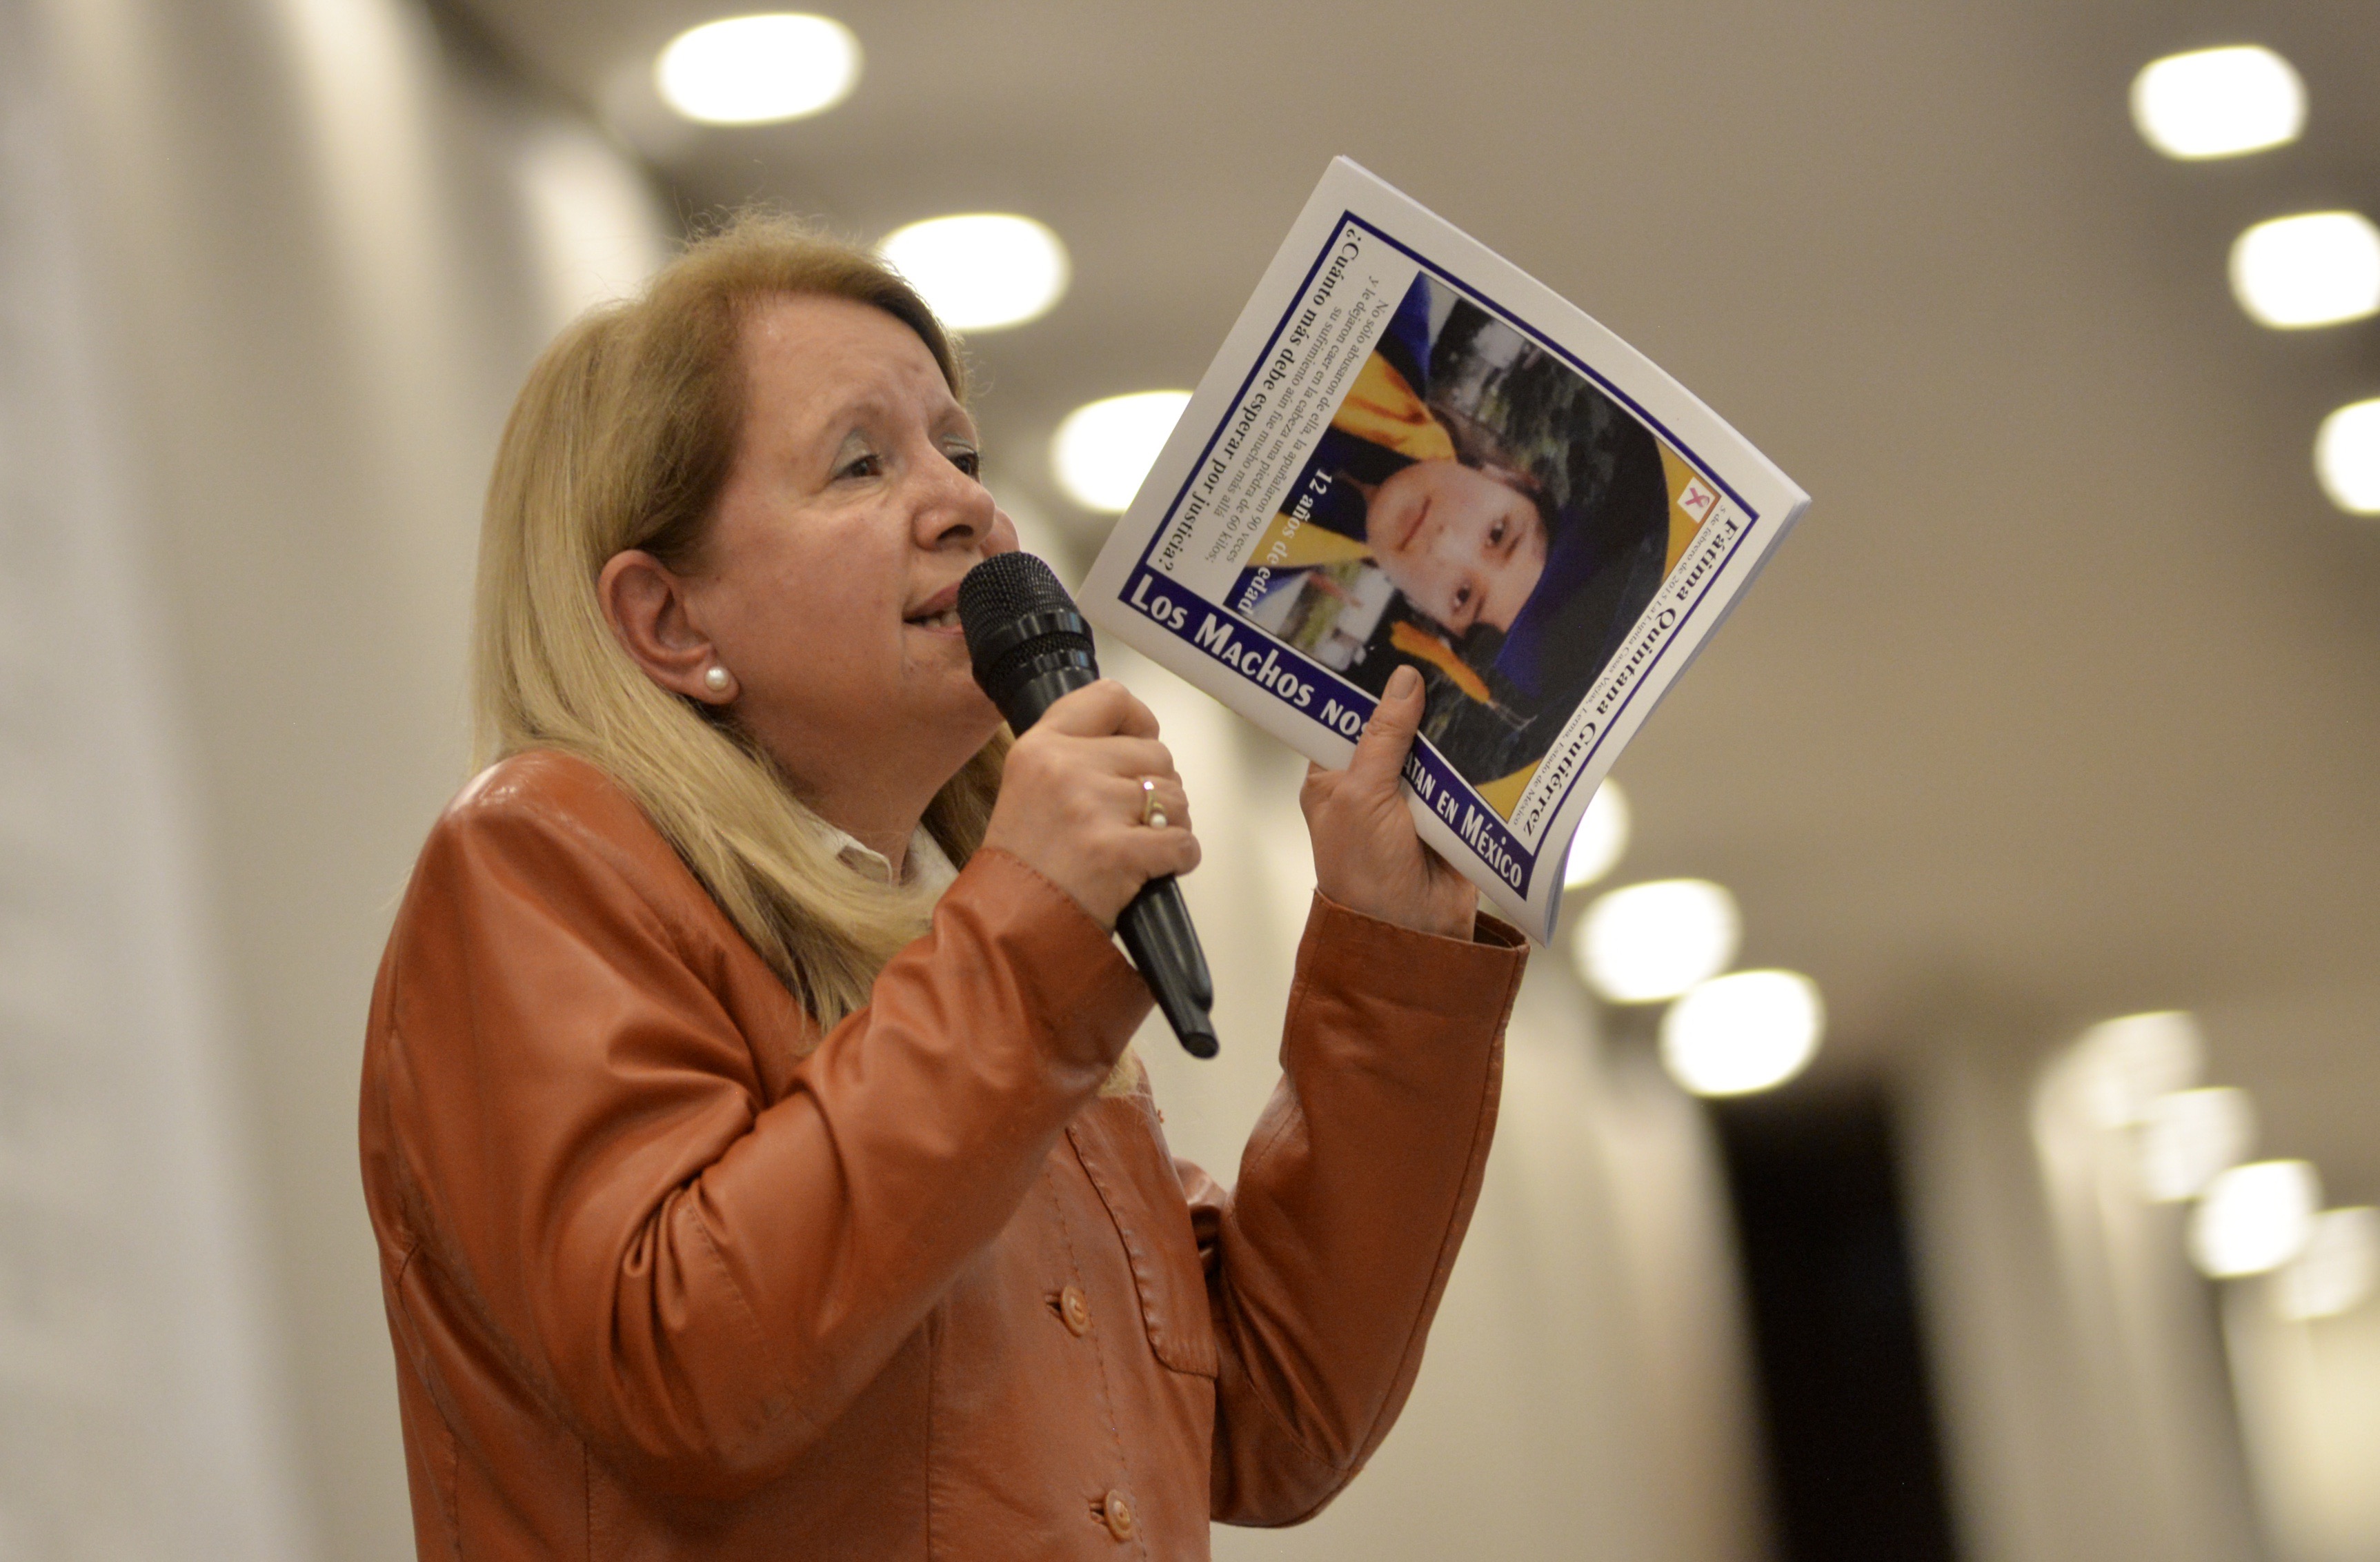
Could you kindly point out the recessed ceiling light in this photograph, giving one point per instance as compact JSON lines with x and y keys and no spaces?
{"x":1103,"y":450}
{"x":2318,"y":269}
{"x":1602,"y":837}
{"x":2346,"y":457}
{"x":2219,"y":102}
{"x":1748,"y":1030}
{"x":2132,"y":1061}
{"x":753,"y":70}
{"x":1653,"y":941}
{"x":2255,"y":1218}
{"x":981,"y":271}
{"x":2339,"y":1268}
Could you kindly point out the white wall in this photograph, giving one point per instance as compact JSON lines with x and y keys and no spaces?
{"x":2078,"y":1360}
{"x":310,"y":247}
{"x":2308,"y":1395}
{"x":138,"y":1416}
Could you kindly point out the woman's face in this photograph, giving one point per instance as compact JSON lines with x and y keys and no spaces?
{"x":1463,"y":548}
{"x":829,"y":577}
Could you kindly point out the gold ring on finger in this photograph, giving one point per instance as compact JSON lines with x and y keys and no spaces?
{"x":1152,"y":813}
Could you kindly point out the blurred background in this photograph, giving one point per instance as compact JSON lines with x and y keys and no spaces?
{"x":2046,"y":756}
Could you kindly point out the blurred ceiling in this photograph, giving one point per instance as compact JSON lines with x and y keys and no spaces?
{"x":2066,"y":696}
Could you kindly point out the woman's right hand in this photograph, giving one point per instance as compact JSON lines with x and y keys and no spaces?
{"x":1071,"y":802}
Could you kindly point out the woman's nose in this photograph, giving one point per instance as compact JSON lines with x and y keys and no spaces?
{"x":956,"y":508}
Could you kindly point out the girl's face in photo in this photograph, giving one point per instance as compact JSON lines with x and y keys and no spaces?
{"x":1461,"y":546}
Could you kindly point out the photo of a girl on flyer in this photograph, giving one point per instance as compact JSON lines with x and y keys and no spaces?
{"x":1499,"y":523}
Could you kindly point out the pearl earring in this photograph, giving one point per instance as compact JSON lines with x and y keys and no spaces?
{"x":715,"y":678}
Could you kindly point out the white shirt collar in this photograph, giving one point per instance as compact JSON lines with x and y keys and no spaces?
{"x":928,"y":865}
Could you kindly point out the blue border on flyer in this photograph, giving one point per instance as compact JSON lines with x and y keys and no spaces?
{"x":1426,"y":771}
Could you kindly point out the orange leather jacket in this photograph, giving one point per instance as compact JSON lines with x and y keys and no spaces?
{"x":666,"y":1279}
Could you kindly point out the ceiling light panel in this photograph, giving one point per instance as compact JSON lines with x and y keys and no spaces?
{"x":2316,"y":269}
{"x":1653,"y":941}
{"x":759,"y":70}
{"x":2255,"y":1218}
{"x":983,"y":271}
{"x":2190,"y":1137}
{"x":1602,"y":837}
{"x":2346,"y":457}
{"x":2219,"y":102}
{"x":1102,"y":451}
{"x":1747,"y":1031}
{"x":2132,"y":1061}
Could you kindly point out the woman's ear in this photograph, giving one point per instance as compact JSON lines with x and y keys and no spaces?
{"x":645,"y":602}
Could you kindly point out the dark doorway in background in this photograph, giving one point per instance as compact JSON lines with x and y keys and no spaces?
{"x":1855,"y":1457}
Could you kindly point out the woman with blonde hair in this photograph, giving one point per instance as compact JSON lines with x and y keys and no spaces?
{"x":757,"y":1162}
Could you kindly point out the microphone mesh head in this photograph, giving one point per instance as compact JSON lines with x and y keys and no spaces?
{"x":1010,"y":586}
{"x":1004,"y":589}
{"x":1022,"y":628}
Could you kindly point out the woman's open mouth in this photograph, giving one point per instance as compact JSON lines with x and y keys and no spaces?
{"x":939,"y":614}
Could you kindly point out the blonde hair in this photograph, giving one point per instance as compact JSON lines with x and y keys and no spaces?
{"x":620,"y":439}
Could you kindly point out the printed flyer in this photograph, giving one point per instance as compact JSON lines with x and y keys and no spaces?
{"x":1409,"y":453}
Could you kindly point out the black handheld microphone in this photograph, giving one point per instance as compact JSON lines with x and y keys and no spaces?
{"x":1030,"y":647}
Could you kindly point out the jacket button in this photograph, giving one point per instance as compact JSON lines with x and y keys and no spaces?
{"x":1116,"y":1508}
{"x":1076,"y":1307}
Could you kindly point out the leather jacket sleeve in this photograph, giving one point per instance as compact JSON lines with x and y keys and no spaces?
{"x":698,"y":1267}
{"x":1325,"y":1263}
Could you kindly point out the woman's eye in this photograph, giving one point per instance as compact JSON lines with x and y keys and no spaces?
{"x":968,"y":461}
{"x":866,"y":464}
{"x":1496,"y":532}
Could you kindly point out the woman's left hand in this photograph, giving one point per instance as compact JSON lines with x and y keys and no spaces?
{"x":1367,"y":857}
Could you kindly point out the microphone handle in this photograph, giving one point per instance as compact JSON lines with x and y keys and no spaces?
{"x":1157,"y":932}
{"x":1155,"y":925}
